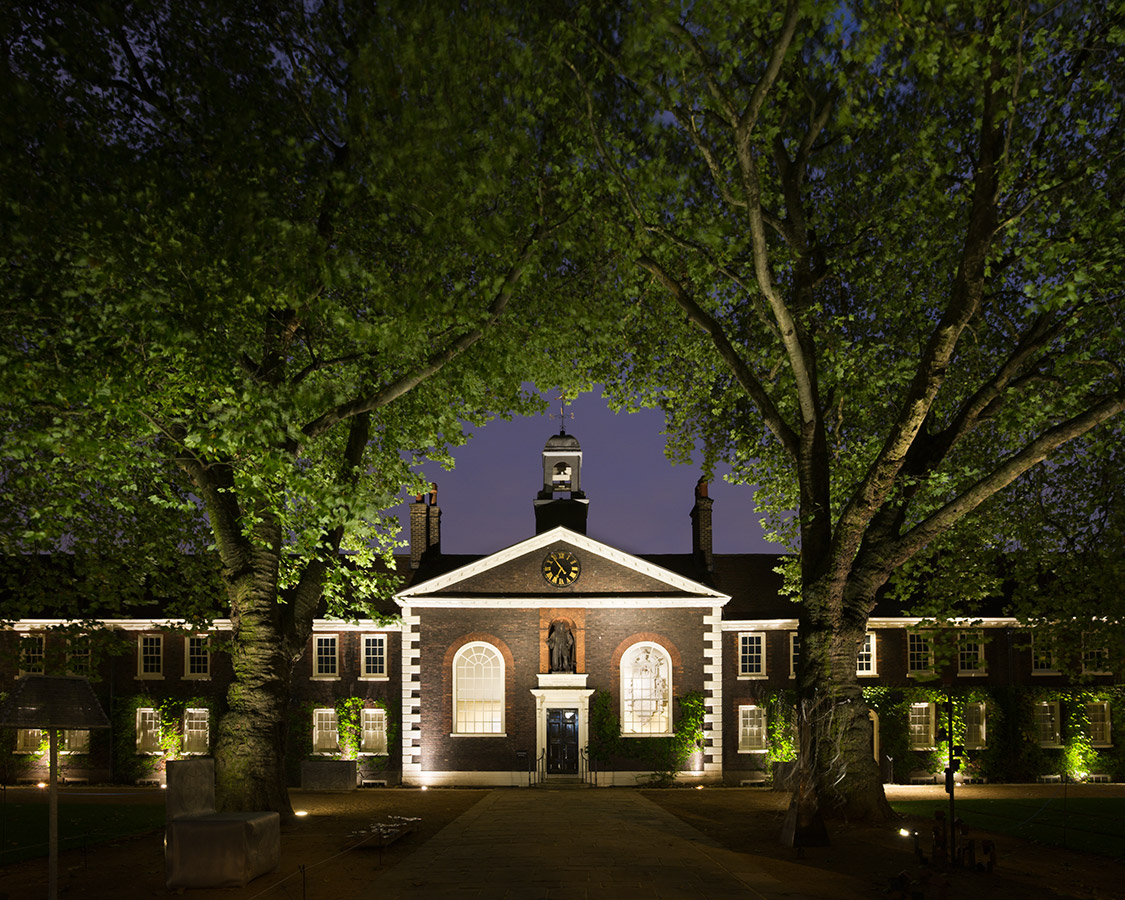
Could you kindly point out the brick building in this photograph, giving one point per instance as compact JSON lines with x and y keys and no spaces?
{"x":564,"y":658}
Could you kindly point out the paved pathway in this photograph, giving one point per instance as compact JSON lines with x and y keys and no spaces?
{"x":573,"y":845}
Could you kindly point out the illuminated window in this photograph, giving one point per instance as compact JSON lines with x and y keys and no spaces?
{"x":325,"y":664}
{"x":970,"y":654}
{"x":150,"y":656}
{"x":28,"y":740}
{"x":646,"y":690}
{"x":374,"y":730}
{"x":325,"y":736}
{"x":752,"y":655}
{"x":1047,"y":723}
{"x":197,"y":651}
{"x":31,"y":654}
{"x":751,"y":729}
{"x":197,"y":731}
{"x":922,"y":719}
{"x":794,"y":652}
{"x":1099,"y":731}
{"x":865,"y":661}
{"x":919,"y":659}
{"x":374,"y":655}
{"x":75,"y":740}
{"x":148,"y":730}
{"x":975,"y":726}
{"x":478,"y":690}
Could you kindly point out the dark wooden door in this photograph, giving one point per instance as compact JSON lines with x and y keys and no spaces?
{"x":562,"y":741}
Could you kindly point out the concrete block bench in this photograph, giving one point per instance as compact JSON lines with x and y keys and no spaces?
{"x":208,"y":849}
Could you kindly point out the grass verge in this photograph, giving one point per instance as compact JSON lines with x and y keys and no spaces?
{"x":1094,"y":825}
{"x":23,"y":826}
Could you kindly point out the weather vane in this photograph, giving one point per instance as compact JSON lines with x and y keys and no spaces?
{"x":563,"y":415}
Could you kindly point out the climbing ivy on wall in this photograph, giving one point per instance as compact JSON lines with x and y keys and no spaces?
{"x":128,"y":764}
{"x":666,"y":756}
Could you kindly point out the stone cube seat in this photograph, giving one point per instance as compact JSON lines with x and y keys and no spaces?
{"x":208,"y":849}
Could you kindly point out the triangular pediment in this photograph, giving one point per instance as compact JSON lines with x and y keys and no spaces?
{"x":605,"y":573}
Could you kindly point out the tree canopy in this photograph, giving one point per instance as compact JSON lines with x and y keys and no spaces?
{"x":257,"y":260}
{"x":873,"y":258}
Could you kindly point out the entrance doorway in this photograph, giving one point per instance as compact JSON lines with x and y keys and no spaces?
{"x":562,"y":741}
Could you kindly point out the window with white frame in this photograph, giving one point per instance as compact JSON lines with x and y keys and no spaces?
{"x":1047,"y":723}
{"x":922,"y":726}
{"x":32,"y":654}
{"x":326,"y":738}
{"x":1043,"y":655}
{"x":1095,"y":657}
{"x":197,"y":731}
{"x":976,"y":728}
{"x":478,"y":690}
{"x":751,"y":729}
{"x":374,"y":722}
{"x":148,"y":730}
{"x":374,"y":649}
{"x":150,"y":656}
{"x":78,"y":656}
{"x":197,"y":657}
{"x":794,"y":652}
{"x":75,"y":740}
{"x":970,"y":654}
{"x":646,"y":690}
{"x":29,"y":740}
{"x":325,"y":656}
{"x":865,"y":660}
{"x":752,"y":655}
{"x":1098,"y":728}
{"x":919,"y":657}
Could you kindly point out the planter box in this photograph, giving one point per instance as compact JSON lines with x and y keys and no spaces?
{"x":328,"y":775}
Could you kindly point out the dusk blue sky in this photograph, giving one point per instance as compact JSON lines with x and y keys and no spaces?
{"x":639,"y":501}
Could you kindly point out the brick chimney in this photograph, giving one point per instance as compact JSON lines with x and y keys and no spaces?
{"x":425,"y":527}
{"x":701,"y":527}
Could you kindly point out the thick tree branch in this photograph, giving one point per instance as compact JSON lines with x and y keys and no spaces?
{"x":1034,"y":453}
{"x":437,"y":361}
{"x":746,"y":378}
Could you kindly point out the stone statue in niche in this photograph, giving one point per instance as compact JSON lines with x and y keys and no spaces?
{"x":560,"y":643}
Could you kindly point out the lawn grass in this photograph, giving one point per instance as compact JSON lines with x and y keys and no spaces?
{"x":1095,"y":825}
{"x":23,"y":826}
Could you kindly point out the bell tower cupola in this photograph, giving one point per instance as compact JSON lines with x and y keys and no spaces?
{"x":561,"y":500}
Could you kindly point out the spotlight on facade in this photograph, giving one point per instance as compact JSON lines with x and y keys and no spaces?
{"x":425,"y":787}
{"x":300,"y":812}
{"x":41,"y":784}
{"x":905,"y":832}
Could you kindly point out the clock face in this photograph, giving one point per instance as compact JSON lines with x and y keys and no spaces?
{"x":561,"y":567}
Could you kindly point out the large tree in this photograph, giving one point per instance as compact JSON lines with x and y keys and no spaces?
{"x":874,"y":258}
{"x":257,"y":259}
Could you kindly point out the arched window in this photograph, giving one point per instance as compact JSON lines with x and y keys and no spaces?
{"x":478,"y":690}
{"x":646,"y":690}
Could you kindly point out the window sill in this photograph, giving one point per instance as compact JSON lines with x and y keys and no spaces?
{"x":373,"y":753}
{"x":761,"y":750}
{"x":866,"y":674}
{"x":920,"y":673}
{"x":761,"y":677}
{"x":478,"y":734}
{"x":374,"y":678}
{"x":1051,"y":745}
{"x":324,"y":678}
{"x":657,"y":734}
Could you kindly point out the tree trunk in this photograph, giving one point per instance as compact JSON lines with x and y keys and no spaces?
{"x":840,"y":762}
{"x":250,"y":751}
